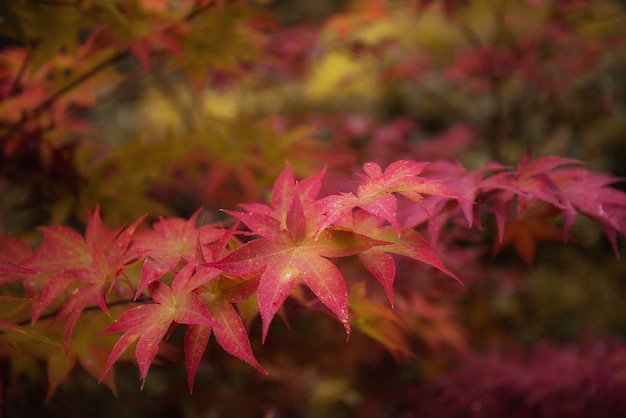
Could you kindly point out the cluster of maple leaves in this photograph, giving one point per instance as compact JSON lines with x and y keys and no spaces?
{"x":193,"y":275}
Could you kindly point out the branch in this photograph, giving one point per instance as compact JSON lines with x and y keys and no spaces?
{"x":50,"y":315}
{"x":15,"y":84}
{"x":80,"y":79}
{"x":85,"y":76}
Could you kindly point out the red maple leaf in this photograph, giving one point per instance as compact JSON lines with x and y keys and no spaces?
{"x":526,"y":228}
{"x":167,"y":243}
{"x":218,"y":294}
{"x":148,"y":323}
{"x":437,"y":211}
{"x":589,"y":193}
{"x":376,"y":195}
{"x":561,"y":183}
{"x":95,"y":261}
{"x":379,"y":261}
{"x":529,"y":183}
{"x":290,"y":249}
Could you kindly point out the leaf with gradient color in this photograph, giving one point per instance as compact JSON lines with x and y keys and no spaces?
{"x":170,"y":241}
{"x":526,"y":228}
{"x":148,"y":323}
{"x":376,"y":195}
{"x":94,"y":262}
{"x":289,"y":250}
{"x":605,"y":205}
{"x":378,"y":259}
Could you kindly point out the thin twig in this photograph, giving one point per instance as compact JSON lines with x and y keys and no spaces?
{"x":11,"y":129}
{"x":78,"y":80}
{"x":15,"y":84}
{"x":50,"y":315}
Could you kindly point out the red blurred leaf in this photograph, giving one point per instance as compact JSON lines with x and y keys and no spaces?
{"x":526,"y":228}
{"x":530,"y":182}
{"x":589,"y":194}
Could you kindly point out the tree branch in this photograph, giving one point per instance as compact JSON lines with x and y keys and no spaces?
{"x":50,"y":315}
{"x":15,"y":84}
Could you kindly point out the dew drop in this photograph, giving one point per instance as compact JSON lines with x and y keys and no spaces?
{"x":289,"y":274}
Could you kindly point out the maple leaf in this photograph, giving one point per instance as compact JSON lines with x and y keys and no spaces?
{"x":379,"y":323}
{"x":218,"y":294}
{"x":148,"y":323}
{"x":376,"y":195}
{"x":12,"y":252}
{"x":557,"y":181}
{"x":531,"y":181}
{"x":289,"y":249}
{"x":230,"y":332}
{"x":170,"y":241}
{"x":379,"y":261}
{"x":588,"y":193}
{"x":95,"y":261}
{"x":525,"y":228}
{"x":436,"y":211}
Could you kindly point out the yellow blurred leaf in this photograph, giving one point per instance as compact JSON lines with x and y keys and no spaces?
{"x":45,"y":28}
{"x":10,"y":305}
{"x":378,"y":322}
{"x":338,"y":74}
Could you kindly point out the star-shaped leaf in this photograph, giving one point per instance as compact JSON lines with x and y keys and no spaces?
{"x":147,"y":324}
{"x":377,"y":194}
{"x":289,"y":250}
{"x":65,"y":257}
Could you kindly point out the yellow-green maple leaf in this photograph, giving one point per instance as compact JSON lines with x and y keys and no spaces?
{"x":45,"y":28}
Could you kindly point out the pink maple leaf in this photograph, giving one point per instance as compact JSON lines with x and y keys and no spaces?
{"x":530,"y":182}
{"x":169,"y":242}
{"x":589,"y":194}
{"x":290,"y":249}
{"x":148,"y":323}
{"x":65,"y":257}
{"x":376,"y":195}
{"x":378,"y":260}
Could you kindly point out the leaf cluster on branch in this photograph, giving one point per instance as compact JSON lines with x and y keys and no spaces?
{"x":193,"y":275}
